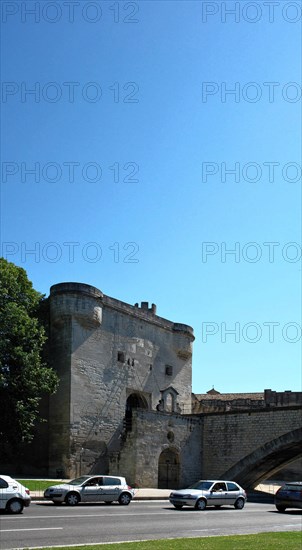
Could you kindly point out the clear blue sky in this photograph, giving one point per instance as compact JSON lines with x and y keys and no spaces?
{"x":131,"y":131}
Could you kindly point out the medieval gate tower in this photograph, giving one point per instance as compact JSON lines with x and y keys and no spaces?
{"x":113,"y":360}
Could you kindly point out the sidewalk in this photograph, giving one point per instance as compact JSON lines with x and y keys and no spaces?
{"x":152,"y":494}
{"x":140,"y":494}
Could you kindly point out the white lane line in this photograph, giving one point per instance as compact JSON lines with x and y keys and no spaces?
{"x":76,"y":516}
{"x":202,"y":530}
{"x":30,"y":529}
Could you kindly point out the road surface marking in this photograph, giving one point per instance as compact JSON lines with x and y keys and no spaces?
{"x":202,"y":530}
{"x":30,"y":529}
{"x":75,"y":516}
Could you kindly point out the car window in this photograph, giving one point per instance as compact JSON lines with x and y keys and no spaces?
{"x":232,"y":487}
{"x":3,"y":483}
{"x":201,"y":485}
{"x":94,"y":481}
{"x":219,"y":487}
{"x":292,"y":487}
{"x":111,"y":481}
{"x":78,"y":480}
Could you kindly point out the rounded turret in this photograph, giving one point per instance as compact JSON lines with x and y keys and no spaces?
{"x":186,"y":329}
{"x":80,"y":301}
{"x":183,"y":338}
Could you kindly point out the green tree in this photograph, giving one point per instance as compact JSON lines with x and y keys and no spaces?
{"x":24,"y":377}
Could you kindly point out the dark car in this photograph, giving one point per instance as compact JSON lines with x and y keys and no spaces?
{"x":289,"y":496}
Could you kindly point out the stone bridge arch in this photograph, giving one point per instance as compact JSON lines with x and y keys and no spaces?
{"x":266,"y":460}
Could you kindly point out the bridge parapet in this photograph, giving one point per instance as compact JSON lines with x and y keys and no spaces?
{"x":230,"y":437}
{"x":282,"y":398}
{"x":214,"y":401}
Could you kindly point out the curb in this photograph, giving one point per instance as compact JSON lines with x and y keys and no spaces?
{"x":40,"y":498}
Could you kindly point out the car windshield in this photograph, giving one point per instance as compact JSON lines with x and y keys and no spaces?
{"x":201,"y":485}
{"x":292,"y":487}
{"x":78,"y":480}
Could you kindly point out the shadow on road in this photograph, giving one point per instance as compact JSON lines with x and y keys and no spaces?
{"x":260,"y":497}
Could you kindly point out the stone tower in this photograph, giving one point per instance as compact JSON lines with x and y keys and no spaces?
{"x":112,"y":358}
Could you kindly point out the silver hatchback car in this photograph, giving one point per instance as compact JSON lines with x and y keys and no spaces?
{"x":95,"y":488}
{"x":205,"y":493}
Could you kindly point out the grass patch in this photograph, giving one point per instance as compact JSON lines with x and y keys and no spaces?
{"x":38,"y":484}
{"x":263,"y":541}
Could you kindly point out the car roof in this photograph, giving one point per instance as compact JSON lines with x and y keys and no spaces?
{"x":98,"y":475}
{"x":102,"y":475}
{"x":218,"y":481}
{"x":7,"y":478}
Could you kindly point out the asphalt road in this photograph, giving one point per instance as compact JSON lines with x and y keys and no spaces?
{"x":49,"y":525}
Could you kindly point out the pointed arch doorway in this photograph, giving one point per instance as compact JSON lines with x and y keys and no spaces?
{"x":168,"y":469}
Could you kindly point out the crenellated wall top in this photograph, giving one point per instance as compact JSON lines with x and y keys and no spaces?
{"x":143,"y":312}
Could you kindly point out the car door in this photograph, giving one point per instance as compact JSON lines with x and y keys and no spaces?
{"x":93,"y":490}
{"x":111,"y":488}
{"x":218,"y":494}
{"x":233,"y":492}
{"x":3,"y":492}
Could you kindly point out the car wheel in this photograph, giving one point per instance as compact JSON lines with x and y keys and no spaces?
{"x":200,"y":504}
{"x":177,"y":506}
{"x":280,"y":508}
{"x":124,"y":499}
{"x":15,"y":506}
{"x":239,"y":504}
{"x":72,"y":499}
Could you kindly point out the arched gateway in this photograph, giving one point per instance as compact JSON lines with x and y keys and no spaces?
{"x":168,"y":469}
{"x":134,"y":401}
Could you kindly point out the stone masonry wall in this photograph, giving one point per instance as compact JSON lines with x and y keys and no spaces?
{"x":229,"y":437}
{"x":153,"y":433}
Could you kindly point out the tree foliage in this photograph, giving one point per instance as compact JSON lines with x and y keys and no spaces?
{"x":24,"y":377}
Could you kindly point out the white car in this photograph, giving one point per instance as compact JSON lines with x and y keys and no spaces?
{"x":95,"y":488}
{"x":13,"y":495}
{"x":205,"y":493}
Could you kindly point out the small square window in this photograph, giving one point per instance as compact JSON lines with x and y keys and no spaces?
{"x":169,"y":370}
{"x":121,"y":356}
